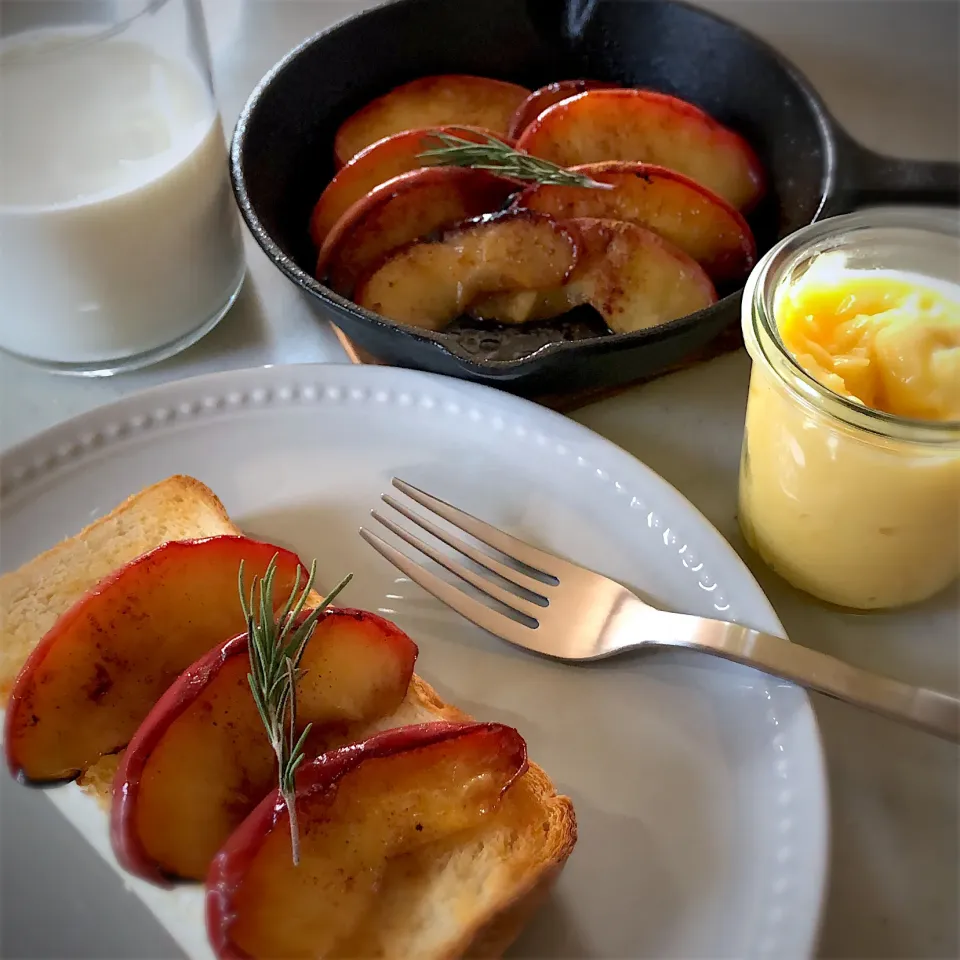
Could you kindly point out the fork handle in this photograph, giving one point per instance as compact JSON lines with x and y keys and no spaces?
{"x":928,"y":710}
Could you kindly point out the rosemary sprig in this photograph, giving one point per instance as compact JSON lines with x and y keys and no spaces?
{"x":498,"y":158}
{"x":276,"y":645}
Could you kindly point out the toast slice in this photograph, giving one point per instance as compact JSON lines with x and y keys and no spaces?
{"x":470,"y":900}
{"x":33,"y":597}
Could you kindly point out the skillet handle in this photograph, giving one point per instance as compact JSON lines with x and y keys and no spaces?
{"x":873,"y":178}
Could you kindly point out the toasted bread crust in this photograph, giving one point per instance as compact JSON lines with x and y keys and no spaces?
{"x":32,"y":597}
{"x":493,"y":933}
{"x":540,"y":824}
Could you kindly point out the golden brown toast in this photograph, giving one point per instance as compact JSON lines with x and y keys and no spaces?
{"x":468,"y":898}
{"x":31,"y":598}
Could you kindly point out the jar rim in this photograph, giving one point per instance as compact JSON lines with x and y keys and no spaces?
{"x":758,"y":318}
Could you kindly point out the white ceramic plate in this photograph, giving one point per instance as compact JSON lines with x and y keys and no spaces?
{"x":699,"y":786}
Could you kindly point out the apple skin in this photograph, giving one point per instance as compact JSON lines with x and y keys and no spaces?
{"x":382,"y":161}
{"x":670,"y":204}
{"x":196,"y":681}
{"x":547,"y":96}
{"x":402,"y":211}
{"x":110,"y":601}
{"x":126,"y":785}
{"x":648,"y":127}
{"x":428,"y":102}
{"x":321,"y":776}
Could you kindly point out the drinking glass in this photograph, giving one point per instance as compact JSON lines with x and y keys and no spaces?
{"x":120,"y":241}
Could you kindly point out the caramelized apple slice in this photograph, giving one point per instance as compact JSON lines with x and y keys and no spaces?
{"x":94,"y":676}
{"x":632,"y":277}
{"x":430,"y":102}
{"x":688,"y":215}
{"x":641,"y":125}
{"x":201,"y":761}
{"x":429,"y":284}
{"x":404,"y":209}
{"x":381,"y":161}
{"x":547,"y":96}
{"x":358,"y":808}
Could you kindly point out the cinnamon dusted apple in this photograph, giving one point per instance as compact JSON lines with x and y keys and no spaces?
{"x":381,"y":161}
{"x":547,"y":96}
{"x":670,"y":204}
{"x":430,"y":284}
{"x":98,"y":671}
{"x":634,"y":278}
{"x":641,"y":125}
{"x":378,"y":822}
{"x":201,"y":761}
{"x":430,"y":102}
{"x":402,"y":210}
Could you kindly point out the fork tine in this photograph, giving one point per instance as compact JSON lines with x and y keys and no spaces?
{"x":491,"y":536}
{"x":475,"y":611}
{"x":515,"y":577}
{"x":508,"y":599}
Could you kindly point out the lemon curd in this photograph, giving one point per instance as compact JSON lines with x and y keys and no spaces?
{"x":850,"y":472}
{"x":887,"y":339}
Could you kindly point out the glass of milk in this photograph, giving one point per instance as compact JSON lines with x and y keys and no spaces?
{"x":120,"y":241}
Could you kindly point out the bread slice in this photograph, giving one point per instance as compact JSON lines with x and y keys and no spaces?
{"x":33,"y":597}
{"x":468,"y":898}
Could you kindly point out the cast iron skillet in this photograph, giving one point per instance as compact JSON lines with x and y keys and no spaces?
{"x":282,"y":157}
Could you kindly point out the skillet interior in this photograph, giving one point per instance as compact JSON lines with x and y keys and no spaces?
{"x":284,"y":157}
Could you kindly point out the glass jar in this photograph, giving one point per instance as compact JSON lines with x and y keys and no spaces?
{"x":120,"y":241}
{"x":857,"y":507}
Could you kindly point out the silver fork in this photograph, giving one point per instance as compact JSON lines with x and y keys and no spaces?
{"x":573,"y":614}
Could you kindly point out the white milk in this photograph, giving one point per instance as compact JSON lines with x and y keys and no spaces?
{"x":118,"y":231}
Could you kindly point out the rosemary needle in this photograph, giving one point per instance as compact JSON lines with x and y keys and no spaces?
{"x":276,"y":645}
{"x":497,"y":157}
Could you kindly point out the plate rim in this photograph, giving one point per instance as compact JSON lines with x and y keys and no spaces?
{"x":45,"y":453}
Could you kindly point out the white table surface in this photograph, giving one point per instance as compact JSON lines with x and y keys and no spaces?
{"x":889,"y":72}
